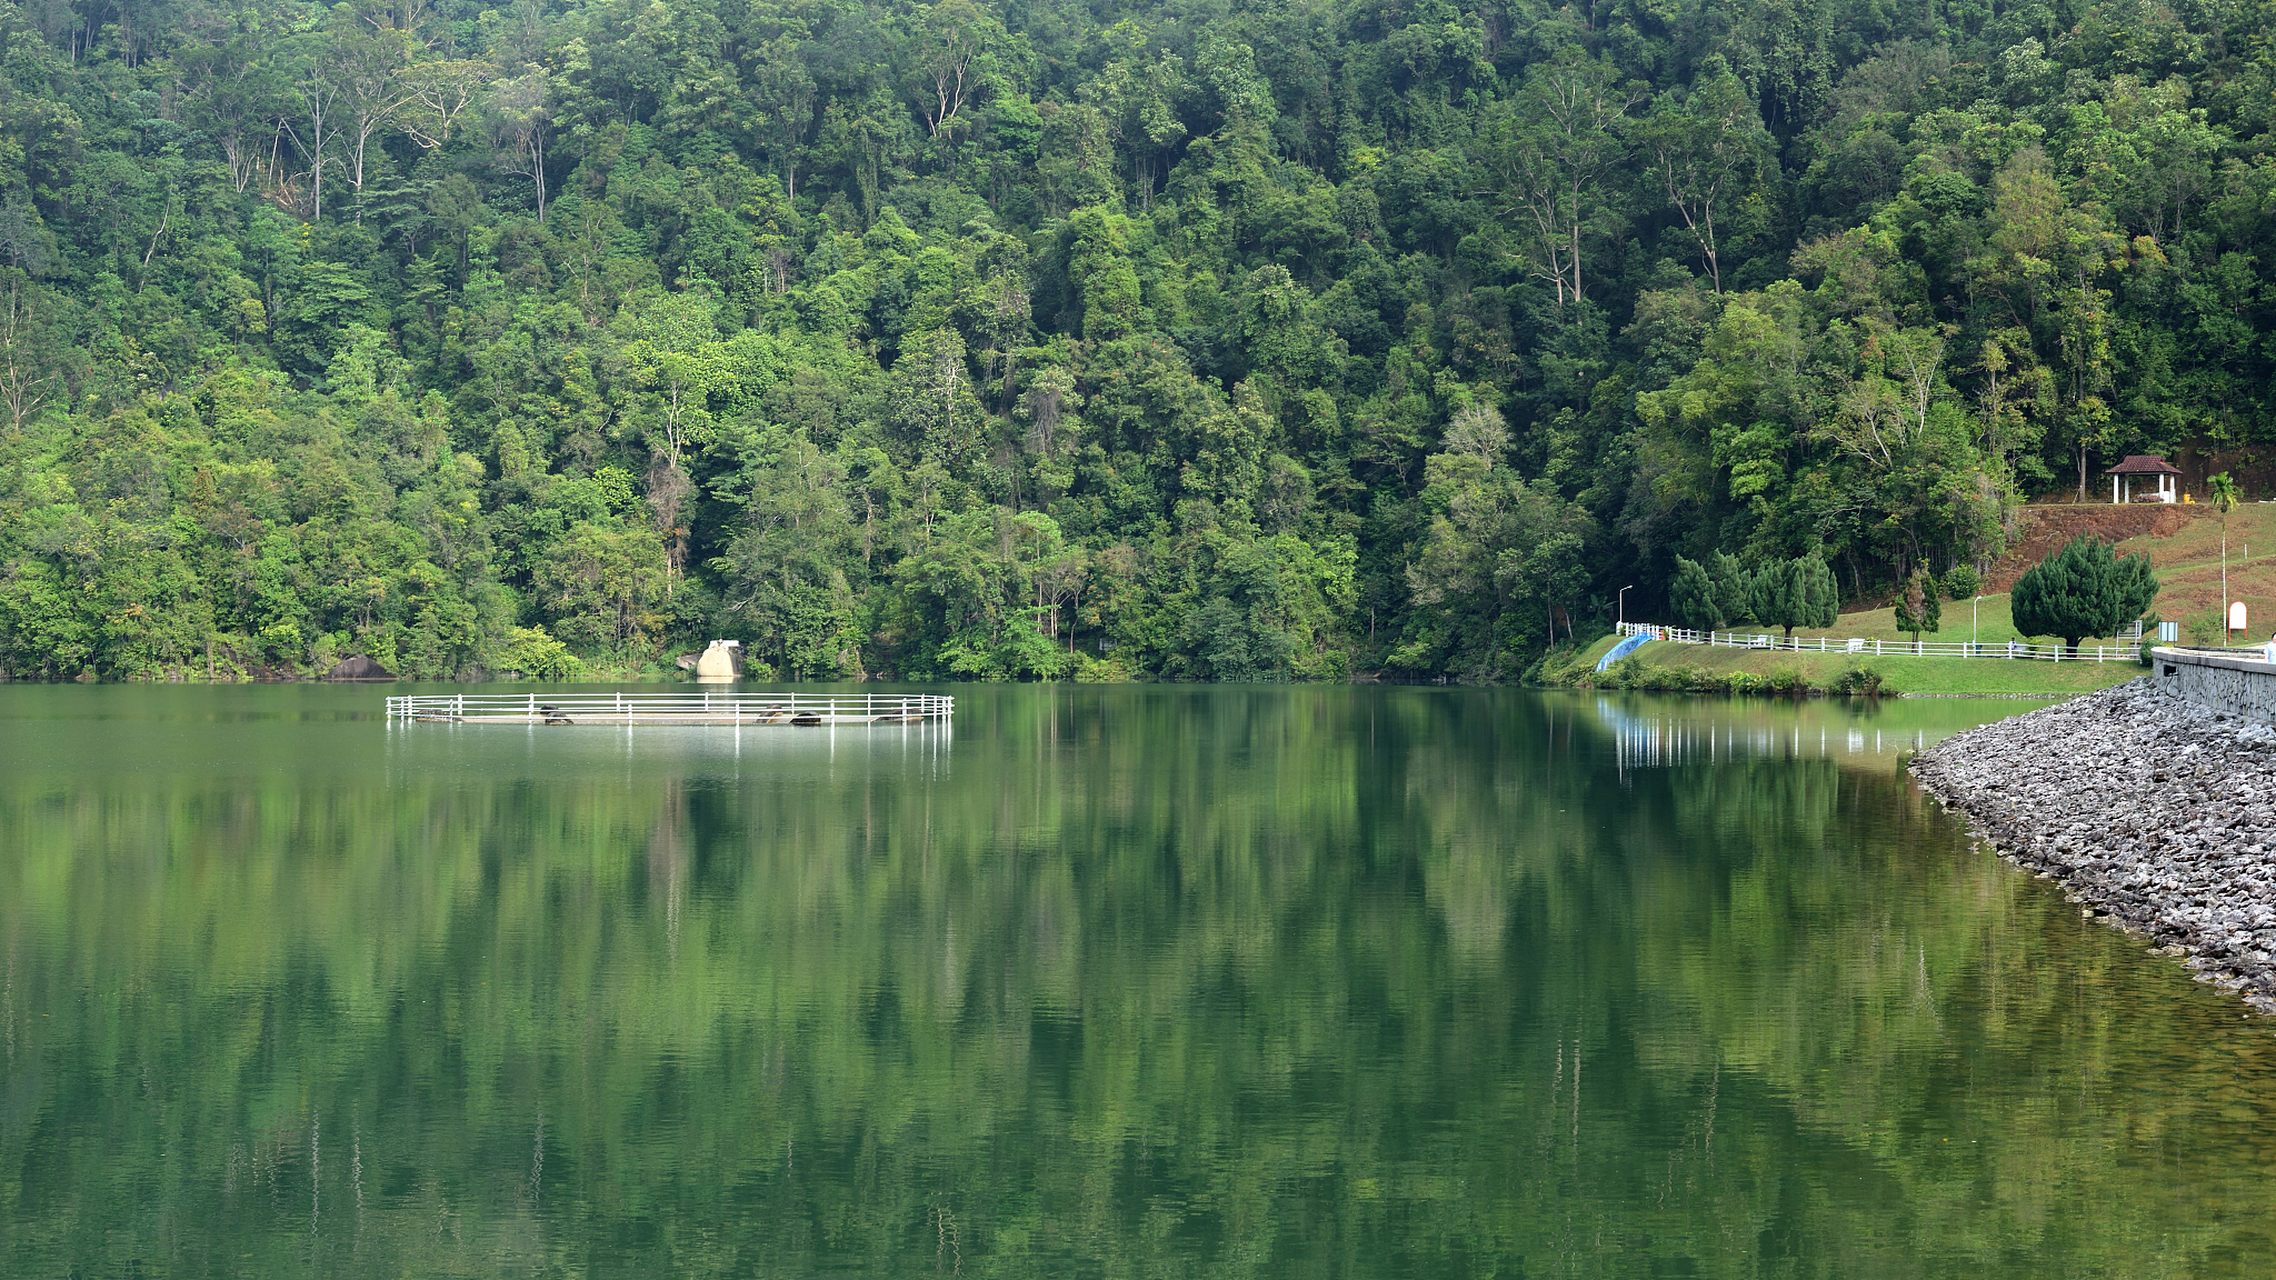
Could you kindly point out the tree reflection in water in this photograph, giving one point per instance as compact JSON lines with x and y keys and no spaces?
{"x":1367,"y":981}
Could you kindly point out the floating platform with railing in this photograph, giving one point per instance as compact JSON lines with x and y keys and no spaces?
{"x":722,"y":709}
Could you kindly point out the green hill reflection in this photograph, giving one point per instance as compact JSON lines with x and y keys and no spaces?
{"x":1128,"y":981}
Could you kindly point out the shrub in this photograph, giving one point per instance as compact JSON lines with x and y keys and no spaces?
{"x":281,"y":643}
{"x":1960,"y":582}
{"x":538,"y":656}
{"x":1090,"y":670}
{"x":2204,"y":627}
{"x":1860,"y":681}
{"x":2150,"y":624}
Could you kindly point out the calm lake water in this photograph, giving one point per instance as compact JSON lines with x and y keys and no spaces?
{"x":1100,"y":982}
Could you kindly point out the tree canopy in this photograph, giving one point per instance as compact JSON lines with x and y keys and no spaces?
{"x":1035,"y":341}
{"x":2085,"y":589}
{"x":1784,"y":593}
{"x":1918,"y":610}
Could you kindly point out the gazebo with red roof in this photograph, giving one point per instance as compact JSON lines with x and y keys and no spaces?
{"x":2143,"y":464}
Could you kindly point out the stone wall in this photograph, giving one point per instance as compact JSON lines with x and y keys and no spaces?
{"x":2228,"y":682}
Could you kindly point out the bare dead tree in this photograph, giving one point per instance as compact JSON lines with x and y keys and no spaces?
{"x":521,"y":115}
{"x":668,"y":490}
{"x":371,"y":93}
{"x":23,"y":390}
{"x":439,"y":93}
{"x":947,"y":47}
{"x":319,"y":96}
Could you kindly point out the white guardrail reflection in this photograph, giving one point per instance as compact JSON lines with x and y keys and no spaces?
{"x":1654,"y":741}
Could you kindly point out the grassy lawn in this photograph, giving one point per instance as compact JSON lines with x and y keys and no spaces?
{"x":2189,"y":572}
{"x":1900,"y":674}
{"x":2189,"y":588}
{"x":1991,"y":623}
{"x":2188,"y":566}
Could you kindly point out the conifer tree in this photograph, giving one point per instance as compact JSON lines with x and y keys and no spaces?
{"x":1692,"y":597}
{"x":1918,"y":609}
{"x":1794,"y":593}
{"x":2085,"y":589}
{"x":1769,"y":594}
{"x":1821,"y":597}
{"x":1734,"y":590}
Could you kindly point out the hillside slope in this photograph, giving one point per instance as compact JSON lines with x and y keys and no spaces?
{"x":2184,"y":544}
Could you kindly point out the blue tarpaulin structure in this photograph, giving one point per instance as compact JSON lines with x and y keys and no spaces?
{"x":1623,"y":649}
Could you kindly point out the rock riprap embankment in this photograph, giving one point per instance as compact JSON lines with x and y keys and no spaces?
{"x":2152,"y":810}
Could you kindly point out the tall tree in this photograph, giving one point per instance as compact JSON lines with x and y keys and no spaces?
{"x":437,"y":94}
{"x":1918,"y":608}
{"x":2084,"y":589}
{"x":785,"y":92}
{"x":316,"y":126}
{"x":1704,"y":147}
{"x":1549,"y":152}
{"x":29,"y":379}
{"x":367,"y":65}
{"x":522,"y":117}
{"x":948,"y":40}
{"x":1692,"y":597}
{"x":1139,"y":99}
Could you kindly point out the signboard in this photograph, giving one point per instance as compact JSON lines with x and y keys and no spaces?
{"x":2168,"y":632}
{"x":2236,"y":617}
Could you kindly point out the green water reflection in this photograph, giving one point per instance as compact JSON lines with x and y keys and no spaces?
{"x":1136,"y":981}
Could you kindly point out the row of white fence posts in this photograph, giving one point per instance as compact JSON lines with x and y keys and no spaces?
{"x":1856,"y":645}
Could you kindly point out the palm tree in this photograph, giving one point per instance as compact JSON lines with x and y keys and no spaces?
{"x":2222,"y":489}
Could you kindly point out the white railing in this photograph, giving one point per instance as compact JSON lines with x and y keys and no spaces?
{"x":1890,"y":648}
{"x":673,"y":708}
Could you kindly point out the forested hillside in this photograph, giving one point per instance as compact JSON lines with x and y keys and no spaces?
{"x":1199,"y":340}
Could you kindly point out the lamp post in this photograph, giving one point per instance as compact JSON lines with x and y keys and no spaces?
{"x":1973,"y":605}
{"x":1622,"y":598}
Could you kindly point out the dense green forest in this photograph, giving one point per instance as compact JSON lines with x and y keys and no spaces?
{"x":1193,"y":340}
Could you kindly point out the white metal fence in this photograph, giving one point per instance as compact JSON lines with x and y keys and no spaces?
{"x":678,"y":708}
{"x":1892,"y":648}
